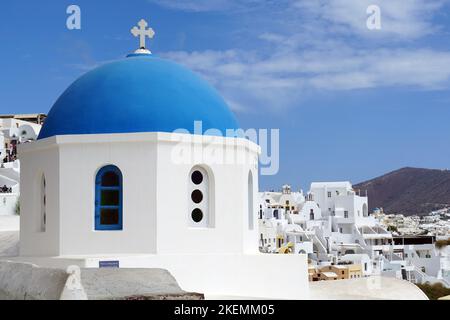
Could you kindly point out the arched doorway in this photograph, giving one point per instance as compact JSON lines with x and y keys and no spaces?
{"x":365,"y":210}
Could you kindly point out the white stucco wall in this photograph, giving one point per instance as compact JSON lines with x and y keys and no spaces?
{"x":14,"y":127}
{"x":229,"y":230}
{"x":305,"y":213}
{"x":220,"y":259}
{"x":80,"y":162}
{"x":155,"y":196}
{"x":37,"y":159}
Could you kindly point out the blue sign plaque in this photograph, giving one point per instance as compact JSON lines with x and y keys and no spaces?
{"x":108,"y":264}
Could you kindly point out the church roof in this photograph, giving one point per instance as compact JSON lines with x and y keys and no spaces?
{"x":142,"y":93}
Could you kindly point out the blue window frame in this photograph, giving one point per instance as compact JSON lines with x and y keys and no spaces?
{"x":108,"y":199}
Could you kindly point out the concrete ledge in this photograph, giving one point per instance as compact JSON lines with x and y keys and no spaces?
{"x":133,"y":284}
{"x":221,"y":275}
{"x":21,"y":281}
{"x":24,"y":281}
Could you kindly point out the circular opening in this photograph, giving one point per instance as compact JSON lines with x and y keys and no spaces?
{"x":197,"y":215}
{"x":197,"y":196}
{"x":197,"y":177}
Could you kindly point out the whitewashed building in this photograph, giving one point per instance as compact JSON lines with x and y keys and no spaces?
{"x":13,"y":131}
{"x":132,"y":168}
{"x":331,"y":225}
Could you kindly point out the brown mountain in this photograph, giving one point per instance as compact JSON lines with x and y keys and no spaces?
{"x":409,"y":191}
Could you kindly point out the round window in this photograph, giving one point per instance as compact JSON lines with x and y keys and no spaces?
{"x":197,"y":215}
{"x":197,"y":177}
{"x":197,"y":196}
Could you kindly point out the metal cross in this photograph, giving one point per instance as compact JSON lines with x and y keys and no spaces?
{"x":142,"y":32}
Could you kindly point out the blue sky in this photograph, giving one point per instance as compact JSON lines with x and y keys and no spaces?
{"x":350,"y":103}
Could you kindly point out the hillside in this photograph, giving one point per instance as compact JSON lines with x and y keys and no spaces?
{"x":409,"y":191}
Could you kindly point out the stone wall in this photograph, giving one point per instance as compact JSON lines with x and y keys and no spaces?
{"x":23,"y":281}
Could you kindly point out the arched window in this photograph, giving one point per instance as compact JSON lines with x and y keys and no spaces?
{"x":43,"y":198}
{"x":365,"y":210}
{"x":311,"y":215}
{"x":108,"y":199}
{"x":199,"y":198}
{"x":250,"y":201}
{"x":275,"y":214}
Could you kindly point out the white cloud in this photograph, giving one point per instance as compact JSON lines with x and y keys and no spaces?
{"x":402,"y":18}
{"x":280,"y":80}
{"x":311,"y":46}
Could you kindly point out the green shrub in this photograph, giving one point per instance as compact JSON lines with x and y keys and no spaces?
{"x":434,"y":291}
{"x":442,"y":243}
{"x":17,"y":209}
{"x":392,"y":228}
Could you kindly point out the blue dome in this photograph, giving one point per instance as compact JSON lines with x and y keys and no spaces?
{"x":141,"y":93}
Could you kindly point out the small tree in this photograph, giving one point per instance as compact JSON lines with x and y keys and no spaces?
{"x":434,"y":291}
{"x":442,"y":243}
{"x":392,"y":228}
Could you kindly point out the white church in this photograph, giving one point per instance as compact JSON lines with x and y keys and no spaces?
{"x":120,"y":176}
